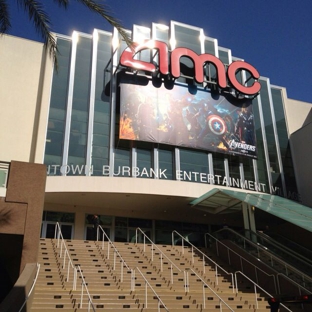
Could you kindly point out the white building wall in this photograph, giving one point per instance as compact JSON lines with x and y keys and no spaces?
{"x":297,"y":114}
{"x":301,"y":152}
{"x":21,"y":79}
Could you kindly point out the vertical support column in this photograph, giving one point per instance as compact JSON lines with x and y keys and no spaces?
{"x":249,"y":217}
{"x":245,"y":216}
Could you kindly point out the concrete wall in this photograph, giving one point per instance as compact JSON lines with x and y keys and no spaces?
{"x":298,"y":114}
{"x":20,"y":220}
{"x":301,"y":146}
{"x":25,"y":96}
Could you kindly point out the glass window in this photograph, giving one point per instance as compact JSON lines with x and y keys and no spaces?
{"x":80,"y":106}
{"x":234,"y":169}
{"x":58,"y":104}
{"x":269,"y":131}
{"x":193,"y":164}
{"x":218,"y":165}
{"x":122,"y":159}
{"x":144,"y":163}
{"x":187,"y":37}
{"x":166,"y":163}
{"x":101,"y":125}
{"x":59,"y":216}
{"x":161,"y":32}
{"x":261,"y":162}
{"x":281,"y":127}
{"x":141,"y":223}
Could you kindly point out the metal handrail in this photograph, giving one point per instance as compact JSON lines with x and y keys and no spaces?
{"x":288,"y":267}
{"x":211,"y":289}
{"x":242,"y":258}
{"x":279,"y":246}
{"x":255,"y":288}
{"x":154,"y":245}
{"x":58,"y":234}
{"x":116,"y":252}
{"x":31,"y":288}
{"x":84,"y":285}
{"x":217,"y":266}
{"x":271,"y":255}
{"x":148,"y":284}
{"x":300,"y":287}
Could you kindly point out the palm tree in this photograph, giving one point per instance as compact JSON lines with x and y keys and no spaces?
{"x":41,"y":20}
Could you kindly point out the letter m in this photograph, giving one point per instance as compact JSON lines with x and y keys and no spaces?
{"x":199,"y":62}
{"x":127,"y":56}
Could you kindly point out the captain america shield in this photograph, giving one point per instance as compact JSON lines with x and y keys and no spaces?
{"x":216,"y":124}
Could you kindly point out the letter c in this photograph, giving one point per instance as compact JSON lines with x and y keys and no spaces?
{"x":241,"y":65}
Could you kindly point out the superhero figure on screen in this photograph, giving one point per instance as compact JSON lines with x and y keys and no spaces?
{"x":244,"y":126}
{"x":215,"y":124}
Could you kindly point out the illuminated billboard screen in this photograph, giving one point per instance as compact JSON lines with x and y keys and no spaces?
{"x":202,"y":121}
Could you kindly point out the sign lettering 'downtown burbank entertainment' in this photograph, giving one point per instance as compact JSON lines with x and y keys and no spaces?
{"x":127,"y":60}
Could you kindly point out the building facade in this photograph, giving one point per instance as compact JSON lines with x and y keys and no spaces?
{"x":139,"y":145}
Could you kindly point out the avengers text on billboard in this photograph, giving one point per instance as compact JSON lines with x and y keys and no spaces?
{"x":177,"y":117}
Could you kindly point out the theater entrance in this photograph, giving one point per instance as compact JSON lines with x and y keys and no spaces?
{"x":65,"y":220}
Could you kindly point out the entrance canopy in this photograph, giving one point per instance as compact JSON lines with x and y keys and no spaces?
{"x":221,"y":200}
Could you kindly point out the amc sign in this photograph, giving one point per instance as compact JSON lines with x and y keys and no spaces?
{"x":199,"y":61}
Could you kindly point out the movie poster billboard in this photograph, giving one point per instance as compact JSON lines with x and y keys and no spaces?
{"x":199,"y":120}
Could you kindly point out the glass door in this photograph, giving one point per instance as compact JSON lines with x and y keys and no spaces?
{"x":140,"y":239}
{"x":48,"y":229}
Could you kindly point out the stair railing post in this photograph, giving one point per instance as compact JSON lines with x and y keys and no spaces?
{"x":132,"y":280}
{"x":188,"y":281}
{"x":114,"y":260}
{"x":204,"y":266}
{"x":152,"y":253}
{"x":75,"y":279}
{"x":64,"y":260}
{"x":144,"y":243}
{"x":204,"y":301}
{"x":229,"y":257}
{"x":171,"y":271}
{"x":192,"y":255}
{"x":68,"y":264}
{"x":108,"y":250}
{"x":256,"y":296}
{"x":121,"y":271}
{"x":61,"y":250}
{"x":161,"y":263}
{"x":217,"y":280}
{"x":145,"y":294}
{"x":81,"y":297}
{"x":136,"y":236}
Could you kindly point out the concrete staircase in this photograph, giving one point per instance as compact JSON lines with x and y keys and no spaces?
{"x":51,"y":290}
{"x":174,"y":275}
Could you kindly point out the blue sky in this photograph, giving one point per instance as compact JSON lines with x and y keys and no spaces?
{"x":273,"y":35}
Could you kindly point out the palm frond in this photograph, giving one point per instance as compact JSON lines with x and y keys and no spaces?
{"x":4,"y":17}
{"x":42,"y":23}
{"x":106,"y":13}
{"x":62,"y":3}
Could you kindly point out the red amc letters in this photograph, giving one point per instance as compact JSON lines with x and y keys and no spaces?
{"x":127,"y":60}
